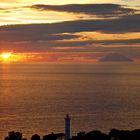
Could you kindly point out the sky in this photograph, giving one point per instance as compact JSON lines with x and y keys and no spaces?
{"x":69,"y":31}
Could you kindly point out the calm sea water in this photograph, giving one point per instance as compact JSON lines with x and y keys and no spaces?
{"x":34,"y":97}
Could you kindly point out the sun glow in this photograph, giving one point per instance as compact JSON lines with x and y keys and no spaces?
{"x":6,"y":56}
{"x":10,"y":57}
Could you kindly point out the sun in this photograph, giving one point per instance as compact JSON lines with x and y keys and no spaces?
{"x":6,"y":56}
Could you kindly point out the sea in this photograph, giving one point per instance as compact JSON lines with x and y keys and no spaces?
{"x":35,"y":97}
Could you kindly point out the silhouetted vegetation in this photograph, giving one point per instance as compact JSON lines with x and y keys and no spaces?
{"x":114,"y":134}
{"x":52,"y":136}
{"x":14,"y":136}
{"x":35,"y":137}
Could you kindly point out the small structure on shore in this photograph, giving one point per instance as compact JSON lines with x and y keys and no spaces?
{"x":67,"y":127}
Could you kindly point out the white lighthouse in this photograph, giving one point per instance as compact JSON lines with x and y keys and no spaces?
{"x":67,"y":127}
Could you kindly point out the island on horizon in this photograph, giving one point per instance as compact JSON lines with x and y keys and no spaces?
{"x":115,"y":57}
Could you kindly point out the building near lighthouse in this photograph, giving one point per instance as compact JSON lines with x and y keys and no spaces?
{"x":67,"y":127}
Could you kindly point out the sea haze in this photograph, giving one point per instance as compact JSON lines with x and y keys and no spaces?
{"x":34,"y":97}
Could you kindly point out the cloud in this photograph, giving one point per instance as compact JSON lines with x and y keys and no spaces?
{"x":17,"y":36}
{"x":96,"y":42}
{"x":102,"y":10}
{"x":91,"y":48}
{"x":71,"y":46}
{"x":120,"y":41}
{"x":34,"y":32}
{"x":6,"y":10}
{"x":45,"y":37}
{"x":86,"y":44}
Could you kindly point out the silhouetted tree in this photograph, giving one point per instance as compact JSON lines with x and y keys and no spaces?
{"x":6,"y":138}
{"x":124,"y":134}
{"x":93,"y":135}
{"x":135,"y":134}
{"x":96,"y":135}
{"x":14,"y":136}
{"x":52,"y":136}
{"x":35,"y":137}
{"x":60,"y":136}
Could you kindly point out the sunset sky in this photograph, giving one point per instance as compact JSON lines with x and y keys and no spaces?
{"x":62,"y":30}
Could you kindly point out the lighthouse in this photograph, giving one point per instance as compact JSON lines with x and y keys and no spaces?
{"x":67,"y":127}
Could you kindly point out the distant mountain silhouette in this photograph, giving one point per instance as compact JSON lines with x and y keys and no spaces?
{"x":115,"y":57}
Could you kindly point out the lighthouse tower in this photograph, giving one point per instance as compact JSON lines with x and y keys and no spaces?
{"x":67,"y":127}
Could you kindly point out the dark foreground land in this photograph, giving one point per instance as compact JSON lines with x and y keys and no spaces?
{"x":114,"y":134}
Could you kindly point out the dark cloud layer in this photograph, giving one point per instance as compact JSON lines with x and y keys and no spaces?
{"x":120,"y":41}
{"x":54,"y":31}
{"x":95,"y":42}
{"x":17,"y":36}
{"x":50,"y":37}
{"x":103,"y":10}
